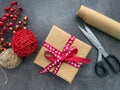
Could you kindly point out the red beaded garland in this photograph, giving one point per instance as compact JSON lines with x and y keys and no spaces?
{"x":24,"y":42}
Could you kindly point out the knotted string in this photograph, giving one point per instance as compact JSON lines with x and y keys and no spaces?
{"x":5,"y":75}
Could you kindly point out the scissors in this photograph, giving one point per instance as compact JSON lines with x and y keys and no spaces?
{"x":100,"y":68}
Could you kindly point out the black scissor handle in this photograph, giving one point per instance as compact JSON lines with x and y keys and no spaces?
{"x":112,"y":59}
{"x":100,"y":69}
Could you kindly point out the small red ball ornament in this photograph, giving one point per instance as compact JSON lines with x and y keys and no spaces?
{"x":24,"y":42}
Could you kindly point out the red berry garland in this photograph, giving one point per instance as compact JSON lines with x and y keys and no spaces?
{"x":7,"y":23}
{"x":24,"y":42}
{"x":21,"y":44}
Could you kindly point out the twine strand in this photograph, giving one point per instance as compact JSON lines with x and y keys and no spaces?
{"x":5,"y":75}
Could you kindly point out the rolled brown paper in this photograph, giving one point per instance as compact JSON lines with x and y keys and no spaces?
{"x":99,"y":21}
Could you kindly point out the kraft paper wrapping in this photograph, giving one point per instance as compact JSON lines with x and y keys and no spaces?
{"x":58,"y":38}
{"x":100,"y":21}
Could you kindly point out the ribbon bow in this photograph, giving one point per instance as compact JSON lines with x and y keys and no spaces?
{"x":67,"y":55}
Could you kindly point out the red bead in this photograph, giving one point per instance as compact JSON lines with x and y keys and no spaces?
{"x":4,"y":18}
{"x":14,"y":19}
{"x":1,"y":49}
{"x":9,"y":44}
{"x":10,"y":24}
{"x":1,"y":24}
{"x":20,"y":8}
{"x":6,"y":15}
{"x":2,"y":39}
{"x":5,"y":44}
{"x":25,"y":18}
{"x":11,"y":28}
{"x":13,"y":3}
{"x":24,"y":27}
{"x":0,"y":19}
{"x":15,"y":16}
{"x":18,"y":13}
{"x":1,"y":34}
{"x":4,"y":49}
{"x":13,"y":9}
{"x":11,"y":16}
{"x":6,"y":9}
{"x":20,"y":22}
{"x":4,"y":29}
{"x":14,"y":31}
{"x":24,"y":23}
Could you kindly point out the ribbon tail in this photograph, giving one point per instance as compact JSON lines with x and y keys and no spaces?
{"x":56,"y":69}
{"x":78,"y":59}
{"x":74,"y":64}
{"x":48,"y":67}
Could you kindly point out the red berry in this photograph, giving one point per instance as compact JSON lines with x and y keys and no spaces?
{"x":10,"y":24}
{"x":20,"y":22}
{"x":14,"y":31}
{"x":1,"y":24}
{"x":13,"y":9}
{"x":6,"y":15}
{"x":18,"y":13}
{"x":1,"y":48}
{"x":9,"y":44}
{"x":25,"y":18}
{"x":14,"y":19}
{"x":20,"y":8}
{"x":10,"y":28}
{"x":6,"y":9}
{"x":4,"y":29}
{"x":0,"y":19}
{"x":13,"y":3}
{"x":4,"y":18}
{"x":5,"y":44}
{"x":11,"y":16}
{"x":4,"y":49}
{"x":1,"y":34}
{"x":15,"y":16}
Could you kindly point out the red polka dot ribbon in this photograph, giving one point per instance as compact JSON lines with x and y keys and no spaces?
{"x":67,"y":55}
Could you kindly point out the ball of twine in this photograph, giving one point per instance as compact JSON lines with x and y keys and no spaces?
{"x":24,"y":42}
{"x":9,"y":60}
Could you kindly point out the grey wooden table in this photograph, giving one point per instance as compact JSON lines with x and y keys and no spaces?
{"x":45,"y":13}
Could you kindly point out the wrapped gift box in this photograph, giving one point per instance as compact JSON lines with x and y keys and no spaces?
{"x":58,"y":38}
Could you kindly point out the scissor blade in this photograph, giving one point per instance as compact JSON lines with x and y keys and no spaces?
{"x":101,"y":49}
{"x":89,"y":37}
{"x":91,"y":33}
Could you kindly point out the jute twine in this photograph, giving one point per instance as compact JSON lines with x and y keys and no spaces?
{"x":9,"y":60}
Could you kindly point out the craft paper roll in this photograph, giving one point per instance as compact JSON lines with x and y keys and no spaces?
{"x":100,"y":21}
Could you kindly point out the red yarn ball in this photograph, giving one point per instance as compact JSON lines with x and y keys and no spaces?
{"x":24,"y":42}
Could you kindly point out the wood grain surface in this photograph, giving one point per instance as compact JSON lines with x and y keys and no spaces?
{"x":43,"y":14}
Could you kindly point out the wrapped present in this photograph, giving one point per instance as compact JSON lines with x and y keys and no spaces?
{"x":62,"y":54}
